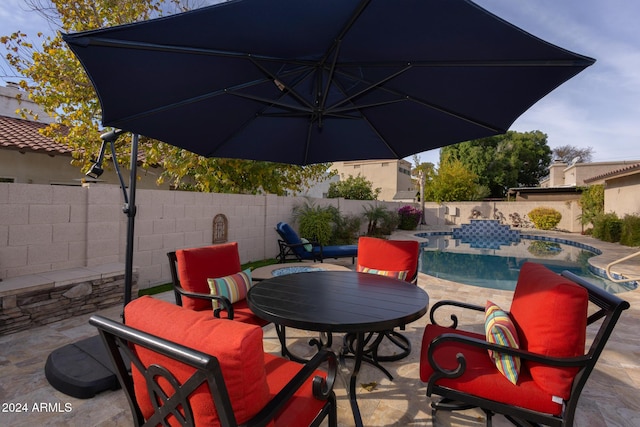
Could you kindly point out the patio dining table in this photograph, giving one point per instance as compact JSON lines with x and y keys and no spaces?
{"x":341,"y":302}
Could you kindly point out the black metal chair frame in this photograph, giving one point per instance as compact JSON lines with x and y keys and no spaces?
{"x":287,"y":252}
{"x":610,"y":308}
{"x":117,"y":338}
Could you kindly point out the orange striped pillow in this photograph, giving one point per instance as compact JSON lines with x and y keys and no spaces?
{"x":234,"y":287}
{"x":389,"y":273}
{"x":499,"y":329}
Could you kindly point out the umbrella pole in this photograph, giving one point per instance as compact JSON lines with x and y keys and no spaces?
{"x":81,"y":369}
{"x":130,"y":210}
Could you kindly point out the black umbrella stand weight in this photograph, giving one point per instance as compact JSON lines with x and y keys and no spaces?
{"x":83,"y":369}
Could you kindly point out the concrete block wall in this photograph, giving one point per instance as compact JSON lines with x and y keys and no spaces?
{"x":47,"y":228}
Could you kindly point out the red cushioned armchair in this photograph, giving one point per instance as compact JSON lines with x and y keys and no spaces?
{"x":190,"y":270}
{"x":544,"y":334}
{"x":188,"y":368}
{"x":395,"y":258}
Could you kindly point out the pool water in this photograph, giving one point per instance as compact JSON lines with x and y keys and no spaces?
{"x":496,"y":266}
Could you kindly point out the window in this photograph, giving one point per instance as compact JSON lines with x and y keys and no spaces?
{"x":5,"y":179}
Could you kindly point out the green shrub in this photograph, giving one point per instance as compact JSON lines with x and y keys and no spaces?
{"x":347,"y":228}
{"x":545,"y":218}
{"x":630,"y":232}
{"x":592,"y":203}
{"x":325,"y":224}
{"x":390,"y":222}
{"x":607,"y":227}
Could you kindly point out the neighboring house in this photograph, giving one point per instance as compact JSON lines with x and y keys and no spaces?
{"x":391,"y":176}
{"x":575,"y":174}
{"x":621,"y":189}
{"x":26,"y":156}
{"x":565,"y":182}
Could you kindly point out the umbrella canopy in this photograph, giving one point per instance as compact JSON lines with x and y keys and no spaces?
{"x":308,"y":81}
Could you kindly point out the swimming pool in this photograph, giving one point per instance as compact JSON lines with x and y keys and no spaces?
{"x":495,"y":263}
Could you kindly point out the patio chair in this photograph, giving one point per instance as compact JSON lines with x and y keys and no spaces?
{"x":189,"y":369}
{"x":292,"y":247}
{"x":395,"y":258}
{"x":193,"y":269}
{"x":531,"y":364}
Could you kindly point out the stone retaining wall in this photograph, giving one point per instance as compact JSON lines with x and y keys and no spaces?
{"x":37,"y":300}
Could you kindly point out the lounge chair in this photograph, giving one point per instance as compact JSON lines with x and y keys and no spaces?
{"x":292,"y":247}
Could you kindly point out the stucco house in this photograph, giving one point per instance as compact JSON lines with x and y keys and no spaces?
{"x":621,"y":189}
{"x":565,"y":182}
{"x":27,"y":156}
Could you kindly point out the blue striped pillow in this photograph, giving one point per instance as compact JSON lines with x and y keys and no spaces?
{"x":234,"y":287}
{"x":499,"y":329}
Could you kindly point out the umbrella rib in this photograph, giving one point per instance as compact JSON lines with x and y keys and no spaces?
{"x":108,"y":42}
{"x":371,"y":86}
{"x":276,"y":78}
{"x":404,"y":97}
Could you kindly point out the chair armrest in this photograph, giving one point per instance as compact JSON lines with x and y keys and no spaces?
{"x":440,"y":372}
{"x":454,"y":318}
{"x":221,"y":299}
{"x":322,"y":388}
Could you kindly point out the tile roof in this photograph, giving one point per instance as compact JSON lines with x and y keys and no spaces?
{"x":23,"y":135}
{"x":19,"y":134}
{"x":624,"y":170}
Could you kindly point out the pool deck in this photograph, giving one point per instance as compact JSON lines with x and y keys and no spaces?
{"x":610,"y":397}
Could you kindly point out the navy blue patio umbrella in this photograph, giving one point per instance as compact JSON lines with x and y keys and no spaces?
{"x":310,"y":81}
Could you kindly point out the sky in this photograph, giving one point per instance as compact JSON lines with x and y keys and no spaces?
{"x":599,"y":108}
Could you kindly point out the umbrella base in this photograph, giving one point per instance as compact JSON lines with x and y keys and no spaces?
{"x":81,"y":369}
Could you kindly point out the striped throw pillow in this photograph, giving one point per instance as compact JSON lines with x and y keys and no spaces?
{"x":234,"y":287}
{"x":395,"y":274}
{"x":499,"y":329}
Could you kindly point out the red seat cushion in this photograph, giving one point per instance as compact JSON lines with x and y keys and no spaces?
{"x":196,"y":265}
{"x":550,"y":314}
{"x":481,"y":378}
{"x":242,"y":313}
{"x":238,"y":347}
{"x":389,"y":255}
{"x":252,"y":377}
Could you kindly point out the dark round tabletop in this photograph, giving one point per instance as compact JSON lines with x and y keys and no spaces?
{"x":338,"y":301}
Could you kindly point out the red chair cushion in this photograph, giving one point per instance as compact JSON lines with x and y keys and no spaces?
{"x":303,"y":407}
{"x":242,"y":313}
{"x":196,"y":265}
{"x":550,"y":314}
{"x":481,"y":378}
{"x":390,"y":255}
{"x":237,"y":345}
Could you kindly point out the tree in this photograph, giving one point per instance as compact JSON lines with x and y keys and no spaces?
{"x":569,"y":153}
{"x":453,"y":182}
{"x":514,"y":159}
{"x":54,"y":79}
{"x":354,"y":188}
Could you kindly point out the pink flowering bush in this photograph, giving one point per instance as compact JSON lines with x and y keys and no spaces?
{"x":409,"y":217}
